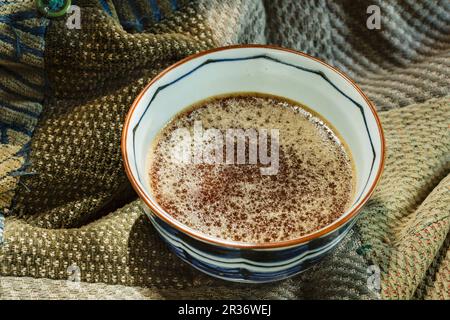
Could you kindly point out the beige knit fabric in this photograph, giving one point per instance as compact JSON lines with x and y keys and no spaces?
{"x":407,"y":220}
{"x":79,"y":210}
{"x":436,"y":282}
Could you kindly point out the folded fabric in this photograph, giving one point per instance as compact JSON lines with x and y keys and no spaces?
{"x":64,"y":94}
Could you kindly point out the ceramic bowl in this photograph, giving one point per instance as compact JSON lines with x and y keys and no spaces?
{"x":269,"y":70}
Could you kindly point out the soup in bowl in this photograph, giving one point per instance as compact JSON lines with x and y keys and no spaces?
{"x":252,"y":162}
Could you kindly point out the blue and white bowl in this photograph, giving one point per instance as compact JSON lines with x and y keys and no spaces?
{"x":264,"y":69}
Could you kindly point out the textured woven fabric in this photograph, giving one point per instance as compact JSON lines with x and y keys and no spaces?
{"x":435,"y":284}
{"x":74,"y":208}
{"x":21,"y":91}
{"x":407,"y":220}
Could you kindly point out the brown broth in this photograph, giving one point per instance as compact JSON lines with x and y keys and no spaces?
{"x":312,"y":187}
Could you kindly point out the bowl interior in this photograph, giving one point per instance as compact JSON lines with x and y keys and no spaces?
{"x":266,"y":70}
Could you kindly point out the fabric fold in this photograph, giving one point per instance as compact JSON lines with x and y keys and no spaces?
{"x":22,"y":88}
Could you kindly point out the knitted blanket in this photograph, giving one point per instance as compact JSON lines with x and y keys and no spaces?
{"x":70,"y":224}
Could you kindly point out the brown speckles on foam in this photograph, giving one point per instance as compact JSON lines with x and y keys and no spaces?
{"x":313,"y":186}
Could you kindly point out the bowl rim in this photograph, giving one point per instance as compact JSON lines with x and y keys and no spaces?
{"x":235,"y":244}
